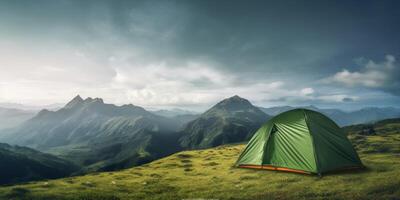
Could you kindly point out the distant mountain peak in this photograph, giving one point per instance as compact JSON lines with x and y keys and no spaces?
{"x":92,"y":100}
{"x":237,"y":97}
{"x":234,"y":102}
{"x":77,"y":100}
{"x":43,"y":112}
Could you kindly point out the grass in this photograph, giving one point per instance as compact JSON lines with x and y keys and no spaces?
{"x":209,"y":174}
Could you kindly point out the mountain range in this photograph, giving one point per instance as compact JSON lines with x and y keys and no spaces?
{"x":343,"y":118}
{"x":103,"y":137}
{"x":96,"y":136}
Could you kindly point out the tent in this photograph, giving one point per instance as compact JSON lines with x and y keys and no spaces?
{"x":302,"y":141}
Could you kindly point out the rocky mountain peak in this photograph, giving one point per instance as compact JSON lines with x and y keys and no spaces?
{"x":93,"y":100}
{"x":78,"y":101}
{"x":74,"y":102}
{"x":234,"y":103}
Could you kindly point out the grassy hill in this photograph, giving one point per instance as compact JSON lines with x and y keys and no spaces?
{"x":209,"y":174}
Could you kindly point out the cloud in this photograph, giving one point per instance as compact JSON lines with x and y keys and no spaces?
{"x":159,"y":84}
{"x":347,"y":99}
{"x":384,"y":75}
{"x":171,"y":53}
{"x":192,"y":84}
{"x":201,"y":84}
{"x":307,"y":91}
{"x":48,"y":74}
{"x":337,"y":98}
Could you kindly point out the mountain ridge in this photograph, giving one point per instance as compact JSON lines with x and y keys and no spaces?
{"x":344,"y":118}
{"x":86,"y":127}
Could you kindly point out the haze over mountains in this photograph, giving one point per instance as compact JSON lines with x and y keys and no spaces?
{"x":180,"y":116}
{"x":173,"y":112}
{"x":96,"y":136}
{"x":11,"y":117}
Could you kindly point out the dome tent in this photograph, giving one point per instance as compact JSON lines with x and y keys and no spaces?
{"x":302,"y":141}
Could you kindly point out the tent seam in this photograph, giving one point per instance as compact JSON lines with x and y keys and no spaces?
{"x":264,"y":150}
{"x":312,"y":140}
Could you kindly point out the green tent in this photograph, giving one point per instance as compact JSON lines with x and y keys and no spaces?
{"x":301,"y":141}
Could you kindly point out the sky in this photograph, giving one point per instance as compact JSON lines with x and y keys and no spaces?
{"x":193,"y":53}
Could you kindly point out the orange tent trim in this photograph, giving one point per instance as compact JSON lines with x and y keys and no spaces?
{"x":269,"y":167}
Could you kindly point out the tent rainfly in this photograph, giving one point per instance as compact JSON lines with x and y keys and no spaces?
{"x":302,"y":141}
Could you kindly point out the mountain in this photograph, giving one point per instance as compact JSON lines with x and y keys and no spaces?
{"x":373,"y":114}
{"x":342,"y":118}
{"x":208,"y":174}
{"x":378,"y":128}
{"x":173,"y":112}
{"x":98,"y":136}
{"x":276,"y":110}
{"x":232,"y":120}
{"x":182,"y":120}
{"x":20,"y":164}
{"x":180,"y":116}
{"x":10,"y":117}
{"x":280,"y":109}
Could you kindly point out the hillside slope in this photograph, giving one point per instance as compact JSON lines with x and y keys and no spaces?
{"x":210,"y":174}
{"x":20,"y":164}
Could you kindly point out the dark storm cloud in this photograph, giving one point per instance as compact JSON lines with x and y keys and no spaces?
{"x":346,"y":99}
{"x":265,"y":35}
{"x":295,"y":35}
